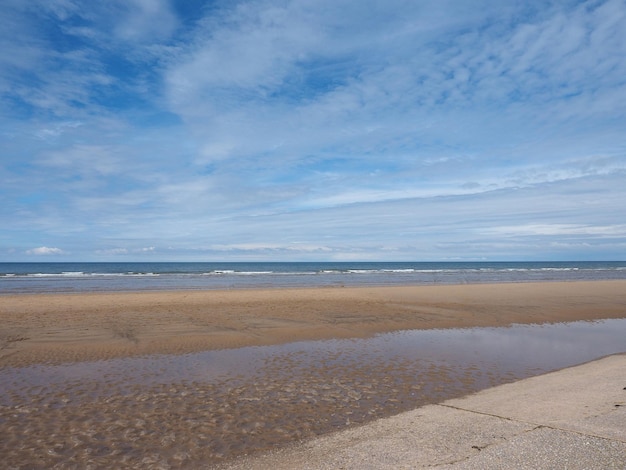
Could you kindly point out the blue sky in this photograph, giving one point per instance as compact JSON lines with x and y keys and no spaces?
{"x":312,"y":130}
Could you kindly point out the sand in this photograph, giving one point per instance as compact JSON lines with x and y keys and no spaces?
{"x":59,"y":328}
{"x":132,"y":380}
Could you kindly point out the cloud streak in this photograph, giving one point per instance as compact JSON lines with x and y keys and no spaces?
{"x":289,"y":130}
{"x":44,"y":250}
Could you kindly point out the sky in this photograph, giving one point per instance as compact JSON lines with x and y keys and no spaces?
{"x":295,"y":130}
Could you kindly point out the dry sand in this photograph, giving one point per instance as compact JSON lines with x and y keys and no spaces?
{"x":51,"y":328}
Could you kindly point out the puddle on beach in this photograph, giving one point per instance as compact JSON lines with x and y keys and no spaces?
{"x":168,"y":411}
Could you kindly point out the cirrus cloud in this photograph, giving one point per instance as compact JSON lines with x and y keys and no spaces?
{"x":335,"y":129}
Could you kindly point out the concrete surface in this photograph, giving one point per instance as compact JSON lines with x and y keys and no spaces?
{"x":570,"y":419}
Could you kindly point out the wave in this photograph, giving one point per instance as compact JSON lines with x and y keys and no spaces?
{"x":74,"y":274}
{"x":223,"y":273}
{"x":87,"y":277}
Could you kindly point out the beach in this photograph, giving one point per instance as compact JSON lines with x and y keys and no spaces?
{"x":179,"y":379}
{"x":58,"y":328}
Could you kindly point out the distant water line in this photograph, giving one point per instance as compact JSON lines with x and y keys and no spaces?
{"x":96,"y":277}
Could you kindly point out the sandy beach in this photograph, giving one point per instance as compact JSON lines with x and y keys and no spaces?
{"x":47,"y":328}
{"x":155,"y":379}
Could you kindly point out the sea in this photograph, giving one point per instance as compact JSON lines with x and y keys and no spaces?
{"x":67,"y":277}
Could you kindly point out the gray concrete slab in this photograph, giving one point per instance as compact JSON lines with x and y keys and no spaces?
{"x":546,"y":448}
{"x":589,"y":399}
{"x":574,"y":418}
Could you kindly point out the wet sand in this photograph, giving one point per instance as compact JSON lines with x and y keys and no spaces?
{"x":54,"y":329}
{"x":98,"y":380}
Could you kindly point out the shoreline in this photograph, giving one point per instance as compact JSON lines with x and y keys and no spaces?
{"x":280,"y":287}
{"x":77,"y":327}
{"x":292,"y":287}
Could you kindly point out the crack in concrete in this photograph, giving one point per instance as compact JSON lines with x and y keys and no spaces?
{"x":537,"y":425}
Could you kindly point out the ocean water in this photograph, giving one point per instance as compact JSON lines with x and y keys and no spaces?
{"x":83,"y":277}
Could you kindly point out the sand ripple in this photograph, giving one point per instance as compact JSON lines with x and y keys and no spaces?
{"x":104,"y":423}
{"x":201,"y":409}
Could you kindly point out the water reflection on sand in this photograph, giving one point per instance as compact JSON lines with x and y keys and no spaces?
{"x":202,"y":408}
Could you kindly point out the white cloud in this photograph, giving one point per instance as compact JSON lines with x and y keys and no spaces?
{"x":112,"y":251}
{"x":56,"y":130}
{"x":146,"y":20}
{"x":271,"y":247}
{"x":617,"y":230}
{"x":44,"y":250}
{"x":85,"y":160}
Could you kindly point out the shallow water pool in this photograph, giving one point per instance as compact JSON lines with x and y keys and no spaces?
{"x":202,"y":408}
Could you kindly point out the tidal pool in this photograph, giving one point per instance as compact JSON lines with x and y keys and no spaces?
{"x":200,"y":409}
